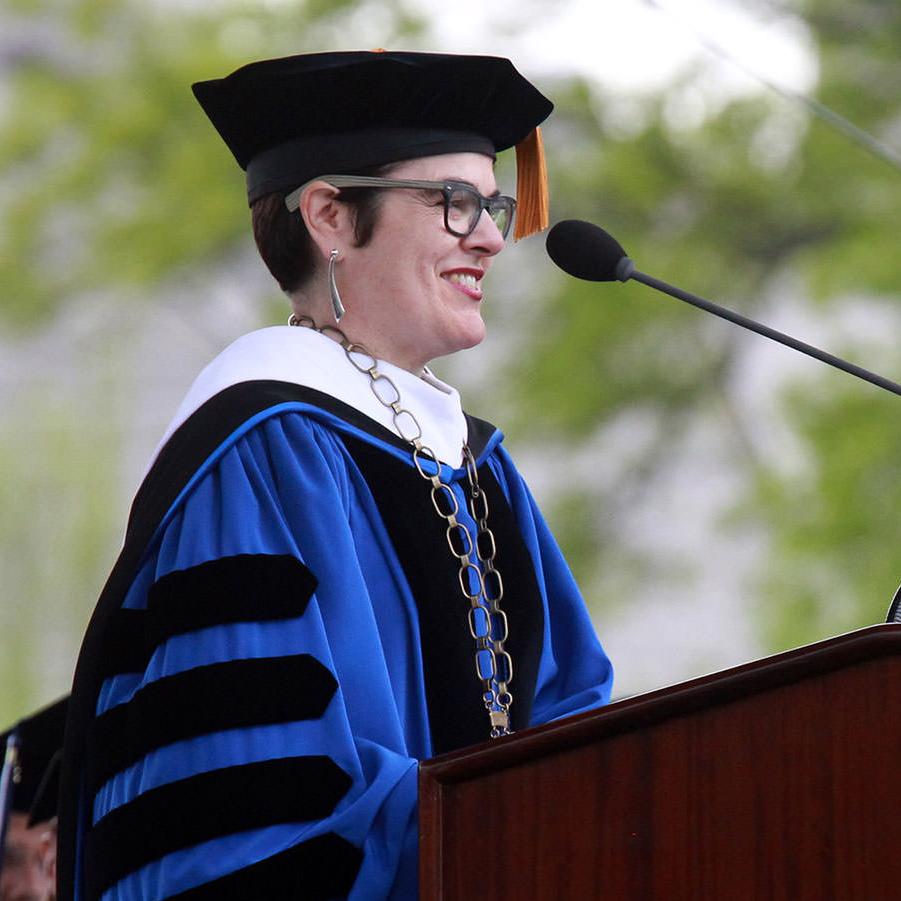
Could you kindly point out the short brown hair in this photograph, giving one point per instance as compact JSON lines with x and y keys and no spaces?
{"x":284,"y":242}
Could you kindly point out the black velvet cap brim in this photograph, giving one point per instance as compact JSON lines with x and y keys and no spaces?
{"x":288,"y":120}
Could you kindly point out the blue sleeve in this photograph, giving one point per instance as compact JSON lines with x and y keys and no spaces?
{"x":574,"y":673}
{"x":272,"y":669}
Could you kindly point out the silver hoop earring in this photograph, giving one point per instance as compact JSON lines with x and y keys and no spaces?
{"x":337,"y":306}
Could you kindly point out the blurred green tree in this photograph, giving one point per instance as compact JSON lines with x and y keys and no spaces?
{"x":114,"y":189}
{"x":108,"y":177}
{"x":762,"y":207}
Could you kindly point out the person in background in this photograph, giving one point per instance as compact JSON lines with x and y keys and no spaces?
{"x":331,"y":572}
{"x":28,"y":867}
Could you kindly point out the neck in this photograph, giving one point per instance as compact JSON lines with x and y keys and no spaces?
{"x":319,"y":311}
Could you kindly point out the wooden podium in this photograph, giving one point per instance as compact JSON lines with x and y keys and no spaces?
{"x":780,"y":779}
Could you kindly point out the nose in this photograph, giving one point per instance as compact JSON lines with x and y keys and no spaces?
{"x":486,"y":237}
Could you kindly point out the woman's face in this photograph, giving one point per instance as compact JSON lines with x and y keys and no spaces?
{"x":414,"y":292}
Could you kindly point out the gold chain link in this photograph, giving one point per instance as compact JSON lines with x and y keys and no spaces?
{"x":482,"y":587}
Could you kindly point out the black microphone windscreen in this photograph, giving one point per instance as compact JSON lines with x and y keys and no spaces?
{"x":584,"y":250}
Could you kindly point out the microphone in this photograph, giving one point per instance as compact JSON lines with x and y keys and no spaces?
{"x":588,"y":252}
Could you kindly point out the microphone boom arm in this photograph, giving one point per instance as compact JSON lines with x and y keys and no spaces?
{"x":626,"y":269}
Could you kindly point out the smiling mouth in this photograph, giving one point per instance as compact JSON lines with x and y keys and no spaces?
{"x":467,"y":282}
{"x":464,"y":278}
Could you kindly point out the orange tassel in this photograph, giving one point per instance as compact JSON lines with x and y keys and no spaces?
{"x":532,"y":201}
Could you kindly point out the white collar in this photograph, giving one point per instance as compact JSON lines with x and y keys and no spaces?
{"x":305,"y":357}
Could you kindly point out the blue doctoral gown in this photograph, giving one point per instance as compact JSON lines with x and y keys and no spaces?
{"x":280,"y":643}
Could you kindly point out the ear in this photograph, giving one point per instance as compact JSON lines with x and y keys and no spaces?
{"x":327,"y":220}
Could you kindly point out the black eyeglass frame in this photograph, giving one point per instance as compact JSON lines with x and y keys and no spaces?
{"x":500,"y":202}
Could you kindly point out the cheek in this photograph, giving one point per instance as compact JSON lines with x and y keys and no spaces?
{"x":424,"y":269}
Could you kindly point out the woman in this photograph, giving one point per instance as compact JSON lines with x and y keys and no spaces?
{"x":330,"y":570}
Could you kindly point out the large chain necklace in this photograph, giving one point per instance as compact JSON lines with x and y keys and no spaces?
{"x":483,"y":586}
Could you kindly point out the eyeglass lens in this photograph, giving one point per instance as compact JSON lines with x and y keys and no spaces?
{"x":463,"y":207}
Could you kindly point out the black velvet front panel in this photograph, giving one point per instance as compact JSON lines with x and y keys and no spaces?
{"x":457,"y":715}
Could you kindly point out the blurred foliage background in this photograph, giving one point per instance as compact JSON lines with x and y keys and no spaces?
{"x":718,"y":499}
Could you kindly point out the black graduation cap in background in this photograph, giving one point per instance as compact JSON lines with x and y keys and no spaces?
{"x":289,"y":120}
{"x":36,"y":781}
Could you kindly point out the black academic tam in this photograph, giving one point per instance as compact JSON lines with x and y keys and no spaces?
{"x":291,"y":119}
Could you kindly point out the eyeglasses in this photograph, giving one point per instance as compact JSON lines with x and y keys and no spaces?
{"x":463,"y":204}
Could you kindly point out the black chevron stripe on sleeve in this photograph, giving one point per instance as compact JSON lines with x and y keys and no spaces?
{"x":243,"y":588}
{"x":320,"y":869}
{"x":238,"y":589}
{"x":221,"y":802}
{"x":212,"y":698}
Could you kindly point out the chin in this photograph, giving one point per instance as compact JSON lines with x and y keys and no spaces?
{"x":462,"y":340}
{"x":470,"y":337}
{"x":477,"y":338}
{"x":472,"y":327}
